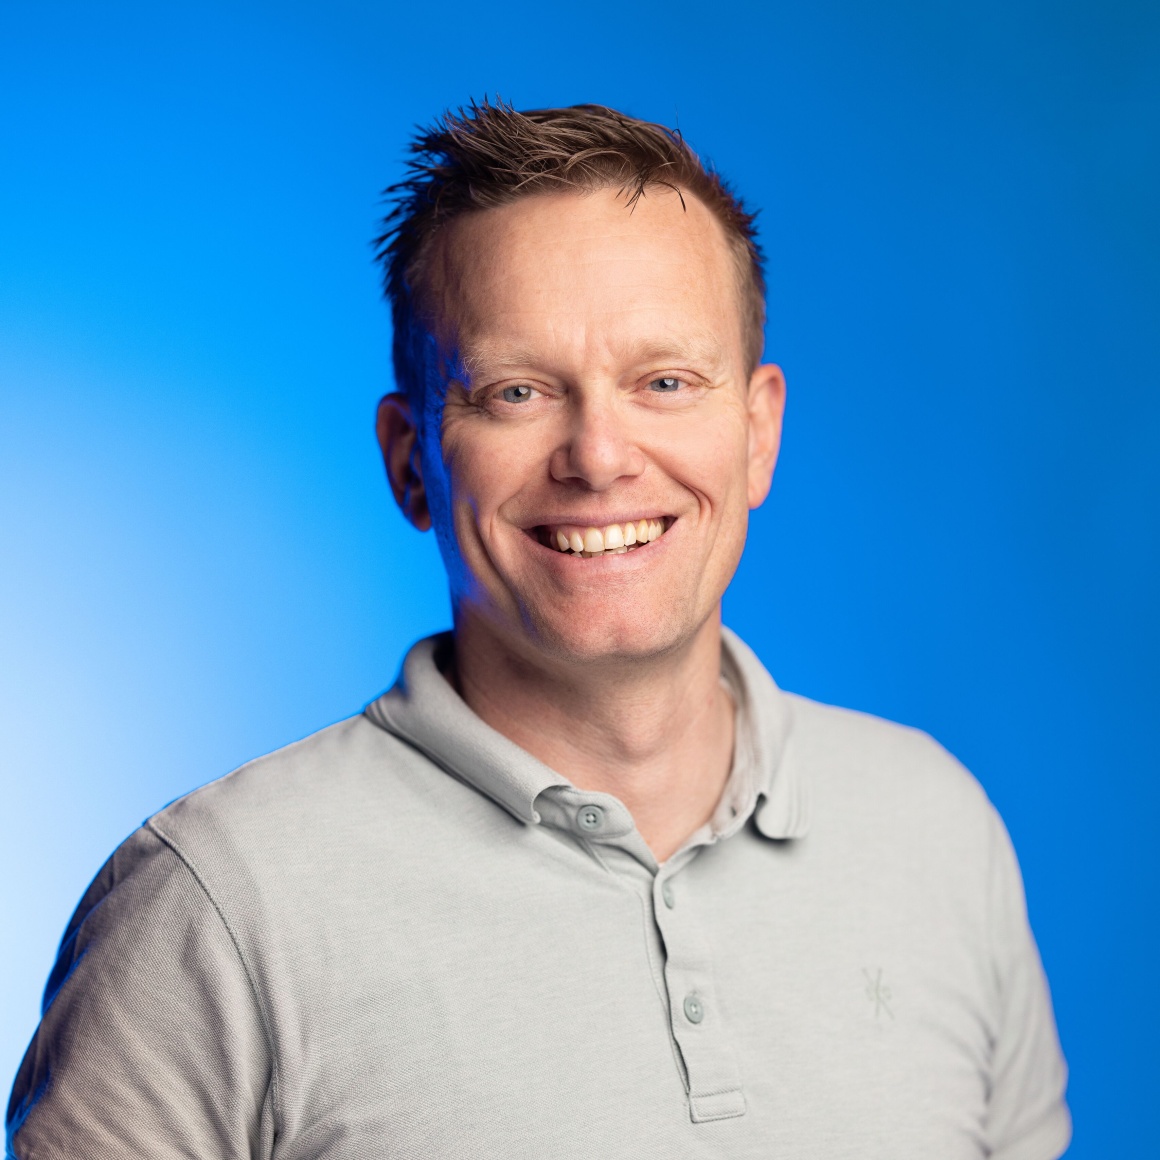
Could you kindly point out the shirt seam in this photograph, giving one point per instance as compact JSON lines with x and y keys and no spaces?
{"x":187,"y":862}
{"x":997,"y":981}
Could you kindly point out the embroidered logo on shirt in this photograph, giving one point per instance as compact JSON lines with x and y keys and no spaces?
{"x":878,"y":993}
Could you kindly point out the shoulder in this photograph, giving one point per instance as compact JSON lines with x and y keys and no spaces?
{"x":851,"y":763}
{"x":302,"y":818}
{"x":848,"y":740}
{"x":880,"y":780}
{"x":298,"y":791}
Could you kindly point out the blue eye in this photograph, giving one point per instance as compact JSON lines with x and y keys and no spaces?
{"x":665,"y":384}
{"x":519,"y":394}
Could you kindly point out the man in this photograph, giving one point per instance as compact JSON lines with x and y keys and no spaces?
{"x":584,"y":883}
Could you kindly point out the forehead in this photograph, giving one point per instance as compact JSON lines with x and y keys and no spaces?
{"x":580,"y":274}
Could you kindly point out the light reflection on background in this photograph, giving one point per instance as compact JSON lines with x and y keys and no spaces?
{"x":199,"y":560}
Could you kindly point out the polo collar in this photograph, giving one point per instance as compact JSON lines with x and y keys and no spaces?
{"x":765,"y":727}
{"x":424,"y":710}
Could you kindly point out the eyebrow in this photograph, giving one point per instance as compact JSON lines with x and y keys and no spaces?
{"x":696,"y":349}
{"x":489,"y":353}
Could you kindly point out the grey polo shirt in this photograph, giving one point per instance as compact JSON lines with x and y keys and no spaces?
{"x":406,"y":937}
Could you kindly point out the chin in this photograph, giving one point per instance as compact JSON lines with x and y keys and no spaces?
{"x":611,"y":635}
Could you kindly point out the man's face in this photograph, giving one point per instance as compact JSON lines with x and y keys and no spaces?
{"x":601,"y":402}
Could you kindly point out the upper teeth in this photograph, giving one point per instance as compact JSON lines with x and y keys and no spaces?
{"x":617,"y":538}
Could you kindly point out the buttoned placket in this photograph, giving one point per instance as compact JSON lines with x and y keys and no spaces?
{"x":696,"y":1023}
{"x":695,"y":1012}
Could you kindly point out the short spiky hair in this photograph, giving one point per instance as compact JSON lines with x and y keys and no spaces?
{"x":490,"y":155}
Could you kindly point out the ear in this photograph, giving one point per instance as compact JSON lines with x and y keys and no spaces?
{"x":399,"y":441}
{"x":766,"y":407}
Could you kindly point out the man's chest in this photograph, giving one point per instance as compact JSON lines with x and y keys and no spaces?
{"x":571,"y":1014}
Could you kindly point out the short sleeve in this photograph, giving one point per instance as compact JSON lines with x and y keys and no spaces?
{"x":1027,"y":1116}
{"x":151,"y":1042}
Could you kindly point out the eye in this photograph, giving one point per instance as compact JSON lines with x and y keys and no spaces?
{"x":665,"y":385}
{"x":520,"y":394}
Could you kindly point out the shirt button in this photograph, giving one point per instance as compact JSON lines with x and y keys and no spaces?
{"x":694,"y":1011}
{"x":668,"y":895}
{"x":591,"y":818}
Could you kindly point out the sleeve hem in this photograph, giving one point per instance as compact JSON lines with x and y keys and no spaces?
{"x":1048,"y":1140}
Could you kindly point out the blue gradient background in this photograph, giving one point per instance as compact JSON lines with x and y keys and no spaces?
{"x":200,"y":561}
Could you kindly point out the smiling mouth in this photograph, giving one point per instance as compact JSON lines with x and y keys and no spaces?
{"x":610,"y":540}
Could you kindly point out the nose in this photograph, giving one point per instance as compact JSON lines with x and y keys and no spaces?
{"x":598,"y":449}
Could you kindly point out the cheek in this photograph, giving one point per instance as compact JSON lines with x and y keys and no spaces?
{"x":485,"y":466}
{"x":710,"y":459}
{"x":471,"y":470}
{"x":490,"y":454}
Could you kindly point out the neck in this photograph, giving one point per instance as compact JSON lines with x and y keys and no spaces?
{"x":657,"y":733}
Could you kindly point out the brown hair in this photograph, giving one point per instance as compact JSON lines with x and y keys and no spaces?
{"x":490,"y":155}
